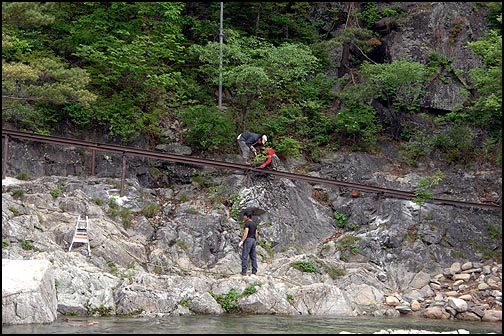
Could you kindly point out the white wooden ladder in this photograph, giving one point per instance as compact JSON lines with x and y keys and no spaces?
{"x":81,"y":233}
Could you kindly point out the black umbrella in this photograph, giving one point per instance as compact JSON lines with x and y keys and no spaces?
{"x":256,"y":212}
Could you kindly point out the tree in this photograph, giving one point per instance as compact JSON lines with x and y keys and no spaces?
{"x":254,"y":69}
{"x":486,"y":108}
{"x":31,"y":75}
{"x":400,"y":86}
{"x":423,"y":192}
{"x":135,"y":57}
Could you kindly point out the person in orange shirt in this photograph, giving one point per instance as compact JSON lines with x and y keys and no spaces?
{"x":272,"y":160}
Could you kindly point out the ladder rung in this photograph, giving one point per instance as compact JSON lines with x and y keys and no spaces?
{"x":80,"y":235}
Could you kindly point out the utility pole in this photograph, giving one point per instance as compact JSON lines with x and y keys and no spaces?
{"x":221,"y":34}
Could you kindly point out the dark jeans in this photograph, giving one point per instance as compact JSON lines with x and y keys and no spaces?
{"x":249,"y":249}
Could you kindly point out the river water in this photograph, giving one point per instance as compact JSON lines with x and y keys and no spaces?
{"x":248,"y":324}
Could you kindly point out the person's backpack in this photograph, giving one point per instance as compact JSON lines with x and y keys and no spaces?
{"x":275,"y":161}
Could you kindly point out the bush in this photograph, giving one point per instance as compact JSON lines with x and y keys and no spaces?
{"x":304,"y":266}
{"x":150,"y":210}
{"x":18,"y":193}
{"x":289,"y":147}
{"x":339,"y":219}
{"x":229,"y":301}
{"x":23,"y":176}
{"x":207,"y":127}
{"x":55,"y":193}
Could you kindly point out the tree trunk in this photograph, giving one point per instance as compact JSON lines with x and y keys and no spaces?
{"x":345,"y":55}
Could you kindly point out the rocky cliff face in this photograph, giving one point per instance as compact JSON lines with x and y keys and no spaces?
{"x":173,"y":249}
{"x":169,"y":246}
{"x":441,"y":28}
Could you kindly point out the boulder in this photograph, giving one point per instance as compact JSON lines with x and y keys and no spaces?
{"x":28,"y":292}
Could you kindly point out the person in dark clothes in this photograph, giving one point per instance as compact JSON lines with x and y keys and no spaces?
{"x":248,"y":141}
{"x":248,"y":243}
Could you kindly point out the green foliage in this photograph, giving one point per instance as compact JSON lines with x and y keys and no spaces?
{"x":79,"y":114}
{"x":112,"y":266}
{"x":133,"y":65}
{"x":457,"y":254}
{"x":132,"y":68}
{"x":184,"y":196}
{"x":250,"y":289}
{"x":235,"y":201}
{"x":18,"y":193}
{"x":335,"y":272}
{"x":279,"y":21}
{"x":229,"y":301}
{"x":97,"y":201}
{"x":23,"y":176}
{"x":288,"y":147}
{"x":150,"y":210}
{"x":44,"y":79}
{"x":265,"y":244}
{"x":256,"y":70}
{"x":259,"y":158}
{"x":401,"y":84}
{"x":488,"y":254}
{"x":420,"y":145}
{"x":423,"y":192}
{"x":357,"y":120}
{"x":492,"y":151}
{"x":27,"y":15}
{"x":207,"y":127}
{"x":457,"y":145}
{"x":5,"y":243}
{"x":486,"y":109}
{"x":289,"y":63}
{"x":184,"y":302}
{"x":354,"y":227}
{"x":399,"y":81}
{"x":114,"y":210}
{"x":495,"y":231}
{"x":182,"y":245}
{"x":14,"y":210}
{"x":121,"y":116}
{"x":288,"y":119}
{"x":202,"y":181}
{"x":370,"y":14}
{"x":55,"y":193}
{"x":101,"y":311}
{"x":218,"y":193}
{"x":112,"y":203}
{"x":126,"y":216}
{"x":304,"y":266}
{"x":27,"y":245}
{"x":348,"y":242}
{"x":362,"y":38}
{"x":339,"y":219}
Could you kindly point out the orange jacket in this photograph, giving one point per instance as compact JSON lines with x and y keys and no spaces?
{"x":270,"y":154}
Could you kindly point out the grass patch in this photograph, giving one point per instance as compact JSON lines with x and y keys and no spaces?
{"x":304,"y":266}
